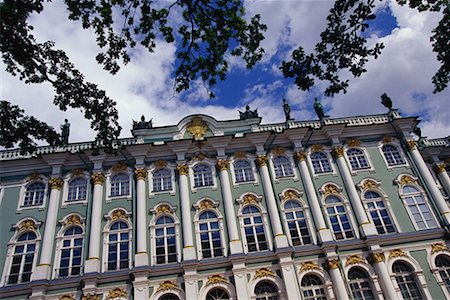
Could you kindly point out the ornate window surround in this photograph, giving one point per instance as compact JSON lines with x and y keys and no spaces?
{"x":23,"y":189}
{"x":21,"y":227}
{"x":206,"y":161}
{"x":65,"y":189}
{"x":366,"y":154}
{"x":433,"y":252}
{"x":272,"y":278}
{"x":218,"y":281}
{"x":161,"y":209}
{"x":325,"y":150}
{"x":167,"y":286}
{"x":305,"y":268}
{"x":117,"y":169}
{"x":289,"y":155}
{"x":208,"y":204}
{"x":115,"y":215}
{"x":160,"y":164}
{"x":251,"y":159}
{"x":361,"y":262}
{"x":396,"y":143}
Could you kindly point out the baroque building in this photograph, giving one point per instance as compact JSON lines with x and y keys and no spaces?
{"x":348,"y":208}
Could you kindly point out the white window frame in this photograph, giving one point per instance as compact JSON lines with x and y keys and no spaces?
{"x":211,"y":164}
{"x":387,"y":204}
{"x":109,"y":175}
{"x":319,"y":272}
{"x":251,"y":160}
{"x":152,"y":168}
{"x":366,"y":155}
{"x":396,"y":144}
{"x":313,"y":287}
{"x":277,"y":281}
{"x":435,"y":269}
{"x":418,"y":275}
{"x":287,"y":154}
{"x":156,"y":212}
{"x":125,"y":217}
{"x":370,"y":279}
{"x":12,"y":245}
{"x":329,"y":158}
{"x":23,"y":189}
{"x":65,"y":190}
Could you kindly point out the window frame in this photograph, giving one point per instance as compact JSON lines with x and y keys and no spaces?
{"x":322,"y":286}
{"x":413,"y":271}
{"x":369,"y":278}
{"x":387,"y":207}
{"x":366,"y":156}
{"x":23,"y":190}
{"x":250,"y":159}
{"x":348,"y":212}
{"x":155,"y":167}
{"x":397,"y":145}
{"x":436,"y":270}
{"x":65,"y":189}
{"x":329,"y":159}
{"x":109,"y":175}
{"x":279,"y":293}
{"x":289,"y":156}
{"x":211,"y":164}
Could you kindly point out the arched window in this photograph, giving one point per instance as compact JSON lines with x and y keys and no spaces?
{"x":443,"y":265}
{"x":169,"y":297}
{"x":379,"y":212}
{"x":360,"y":284}
{"x":357,"y":159}
{"x":71,"y":252}
{"x":120,"y":185}
{"x":392,"y":155}
{"x":255,"y":234}
{"x":266,"y":290}
{"x":209,"y":231}
{"x":77,"y":189}
{"x":162,"y":180}
{"x":165,"y":240}
{"x":297,"y":223}
{"x":118,"y":246}
{"x":312,"y":288}
{"x":22,"y":258}
{"x":320,"y":163}
{"x":282,"y":167}
{"x":34,"y":194}
{"x":217,"y":294}
{"x":407,"y":281}
{"x":243,"y":171}
{"x":203,"y":175}
{"x":419,"y":209}
{"x":339,"y":220}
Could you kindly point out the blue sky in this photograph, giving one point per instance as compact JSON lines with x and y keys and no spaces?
{"x":145,"y":86}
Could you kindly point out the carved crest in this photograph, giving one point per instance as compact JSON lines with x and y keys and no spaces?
{"x":411,"y":145}
{"x":299,"y":155}
{"x":97,"y":178}
{"x":308,"y":266}
{"x":354,"y":259}
{"x":118,"y":214}
{"x":214,"y":279}
{"x":406,"y":180}
{"x":67,"y":297}
{"x":376,"y":257}
{"x":397,"y":253}
{"x":77,"y":172}
{"x":163,"y":209}
{"x":278,"y":151}
{"x":261,"y":160}
{"x":240,"y":154}
{"x":141,"y":173}
{"x":91,"y":297}
{"x":354,"y":143}
{"x":332,"y":264}
{"x":249,"y":199}
{"x":119,"y":167}
{"x":369,"y":184}
{"x":34,"y":176}
{"x":27,"y":225}
{"x":205,"y":204}
{"x":386,"y":139}
{"x":439,"y":247}
{"x":182,"y":169}
{"x":167,"y":285}
{"x":117,"y":293}
{"x":73,"y":219}
{"x":160,"y":164}
{"x":222,"y":164}
{"x":197,"y":128}
{"x":330,"y":189}
{"x":338,"y":152}
{"x":317,"y":147}
{"x":264,"y":272}
{"x":290,"y":194}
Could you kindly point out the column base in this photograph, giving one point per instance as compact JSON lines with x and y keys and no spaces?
{"x":189,"y":253}
{"x":140,"y":287}
{"x":368,"y":229}
{"x":325,"y":235}
{"x":42,"y":272}
{"x":141,"y":259}
{"x":236,"y":247}
{"x":281,"y":241}
{"x":92,"y":265}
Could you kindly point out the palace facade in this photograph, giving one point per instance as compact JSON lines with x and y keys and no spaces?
{"x":348,"y":208}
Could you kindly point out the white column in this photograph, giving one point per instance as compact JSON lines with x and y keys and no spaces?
{"x":290,"y":278}
{"x":43,"y":271}
{"x":141,"y":257}
{"x":323,"y":232}
{"x":190,"y":284}
{"x":429,"y":181}
{"x":188,"y":239}
{"x":240,"y":280}
{"x":367,"y":228}
{"x":235,"y":242}
{"x":383,"y":275}
{"x":280,"y":238}
{"x":140,"y":286}
{"x":340,"y":290}
{"x":93,"y":262}
{"x":443,"y":176}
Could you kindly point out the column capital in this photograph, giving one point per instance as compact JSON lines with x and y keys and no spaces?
{"x":299,"y":156}
{"x":332,"y":263}
{"x":140,"y":173}
{"x":376,"y":257}
{"x":338,"y":152}
{"x":439,"y":167}
{"x":261,"y":160}
{"x":182,"y":169}
{"x":97,"y":178}
{"x":55,"y":183}
{"x":411,"y":145}
{"x":223,"y":164}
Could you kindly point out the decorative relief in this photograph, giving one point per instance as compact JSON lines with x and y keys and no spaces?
{"x":28,"y":225}
{"x":299,"y":156}
{"x":77,"y":172}
{"x":205,"y":204}
{"x":117,"y":293}
{"x":386,"y":139}
{"x":249,"y":199}
{"x":338,"y":152}
{"x":118,"y":214}
{"x":332,"y":264}
{"x":264,"y":272}
{"x":73,"y":219}
{"x":214,"y":279}
{"x":317,"y":147}
{"x":308,"y":266}
{"x":91,"y":297}
{"x":261,"y":160}
{"x":55,"y":183}
{"x":411,"y":145}
{"x":163,"y":209}
{"x":278,"y":151}
{"x":376,"y":257}
{"x":439,"y":168}
{"x":369,"y":184}
{"x":160,"y":164}
{"x":290,"y":194}
{"x":200,"y":157}
{"x":182,"y":169}
{"x":222,"y":164}
{"x":354,"y":259}
{"x":240,"y":154}
{"x":354,"y":143}
{"x":397,"y":253}
{"x":406,"y":180}
{"x":330,"y":189}
{"x":97,"y":178}
{"x":67,"y":297}
{"x":167,"y":285}
{"x":119,"y":167}
{"x":197,"y":128}
{"x":34,"y":176}
{"x":439,"y":247}
{"x":140,"y":173}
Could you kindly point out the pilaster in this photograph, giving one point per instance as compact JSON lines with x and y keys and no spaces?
{"x":141,"y":256}
{"x":339,"y":287}
{"x":442,"y":174}
{"x":188,"y":239}
{"x":378,"y":261}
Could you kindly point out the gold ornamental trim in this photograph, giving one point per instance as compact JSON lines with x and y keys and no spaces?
{"x":332,"y":264}
{"x":118,"y":214}
{"x":67,"y":297}
{"x":376,"y":257}
{"x":397,"y":253}
{"x":261,"y":160}
{"x":73,"y":220}
{"x":290,"y":194}
{"x":163,"y":209}
{"x":354,"y":259}
{"x":406,"y":180}
{"x":338,"y":152}
{"x":77,"y":172}
{"x":206,"y":204}
{"x":182,"y":169}
{"x":439,"y":247}
{"x":386,"y":139}
{"x":167,"y":285}
{"x":300,"y":156}
{"x":27,"y":225}
{"x":354,"y":143}
{"x":240,"y":154}
{"x":140,"y":173}
{"x":264,"y":272}
{"x":97,"y":178}
{"x":278,"y":151}
{"x":369,"y":184}
{"x":249,"y":199}
{"x":317,"y":147}
{"x":411,"y":145}
{"x":91,"y":297}
{"x":117,"y":293}
{"x":119,"y":167}
{"x":55,"y":183}
{"x":330,"y":189}
{"x":308,"y":266}
{"x":197,"y":127}
{"x":160,"y":164}
{"x":34,"y":176}
{"x":439,"y":168}
{"x":222,"y":164}
{"x":215,"y":279}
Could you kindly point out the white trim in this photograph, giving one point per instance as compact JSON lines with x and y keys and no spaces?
{"x":65,"y":189}
{"x":287,"y":154}
{"x":277,"y":281}
{"x":211,"y":164}
{"x":326,"y":280}
{"x":251,"y":159}
{"x":108,"y":176}
{"x":396,"y":143}
{"x":435,"y":270}
{"x":152,"y":168}
{"x":27,"y":181}
{"x":326,"y":151}
{"x":228,"y":287}
{"x":367,"y":157}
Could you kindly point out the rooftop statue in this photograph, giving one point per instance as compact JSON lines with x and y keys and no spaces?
{"x":287,"y":109}
{"x":65,"y":132}
{"x":417,"y":131}
{"x":319,"y":109}
{"x":386,"y":101}
{"x":248,"y":114}
{"x":142,"y":124}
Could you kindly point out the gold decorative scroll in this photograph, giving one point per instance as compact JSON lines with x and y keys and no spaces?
{"x":264,"y":272}
{"x":163,"y":209}
{"x":140,"y":173}
{"x":439,"y":168}
{"x":290,"y":194}
{"x":261,"y":160}
{"x":182,"y":169}
{"x":167,"y":285}
{"x":91,"y":297}
{"x":376,"y":257}
{"x":222,"y":164}
{"x":317,"y":147}
{"x":97,"y":178}
{"x":67,"y":297}
{"x":77,"y":172}
{"x":354,"y":259}
{"x":34,"y":176}
{"x":119,"y":167}
{"x":197,"y":128}
{"x":240,"y":154}
{"x":117,"y":293}
{"x":330,"y":189}
{"x":278,"y":151}
{"x":118,"y":214}
{"x":160,"y":164}
{"x":411,"y":145}
{"x":369,"y":184}
{"x":332,"y":264}
{"x":299,"y":155}
{"x":338,"y":152}
{"x":55,"y":183}
{"x":214,"y":279}
{"x":397,"y":253}
{"x":354,"y":143}
{"x":406,"y":180}
{"x":386,"y":139}
{"x":308,"y":266}
{"x":205,"y":204}
{"x":249,"y":199}
{"x":439,"y":247}
{"x":73,"y":219}
{"x":27,"y":225}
